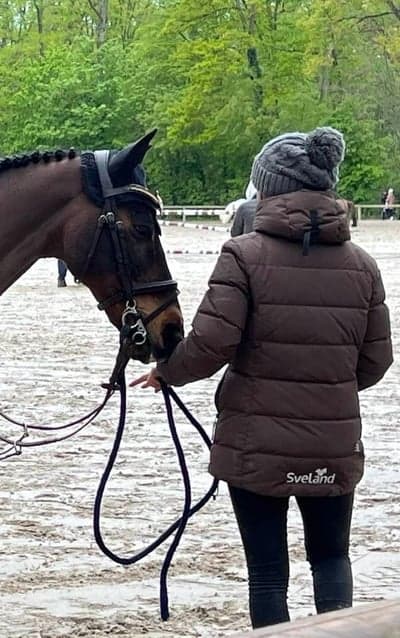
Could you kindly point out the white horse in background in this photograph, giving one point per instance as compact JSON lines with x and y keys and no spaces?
{"x":228,"y":214}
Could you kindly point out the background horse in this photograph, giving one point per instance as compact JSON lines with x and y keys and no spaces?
{"x":57,"y":205}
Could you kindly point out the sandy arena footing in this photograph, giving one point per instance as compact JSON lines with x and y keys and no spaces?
{"x":56,"y":349}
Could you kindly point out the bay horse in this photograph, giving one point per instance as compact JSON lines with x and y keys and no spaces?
{"x":93,"y":211}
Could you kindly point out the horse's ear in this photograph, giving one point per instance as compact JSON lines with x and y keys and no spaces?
{"x":122,"y":164}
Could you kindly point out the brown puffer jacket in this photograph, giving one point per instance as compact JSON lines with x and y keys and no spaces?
{"x":302,"y":333}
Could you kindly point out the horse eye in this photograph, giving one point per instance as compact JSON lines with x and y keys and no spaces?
{"x":145,"y":232}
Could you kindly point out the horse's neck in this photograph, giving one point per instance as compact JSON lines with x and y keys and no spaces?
{"x":32,"y":214}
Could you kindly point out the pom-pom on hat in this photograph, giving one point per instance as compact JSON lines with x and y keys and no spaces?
{"x":294,"y":161}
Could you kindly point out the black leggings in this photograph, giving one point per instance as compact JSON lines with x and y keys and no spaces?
{"x":262,"y":524}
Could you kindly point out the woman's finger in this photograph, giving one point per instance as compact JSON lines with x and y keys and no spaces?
{"x":140,"y":379}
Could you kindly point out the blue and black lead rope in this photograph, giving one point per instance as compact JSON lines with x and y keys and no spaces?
{"x":188,"y":511}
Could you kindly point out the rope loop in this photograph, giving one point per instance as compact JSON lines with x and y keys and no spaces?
{"x":187,"y":511}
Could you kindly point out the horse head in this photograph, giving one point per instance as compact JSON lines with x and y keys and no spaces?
{"x":116,"y":250}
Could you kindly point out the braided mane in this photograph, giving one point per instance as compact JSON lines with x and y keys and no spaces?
{"x":16,"y":161}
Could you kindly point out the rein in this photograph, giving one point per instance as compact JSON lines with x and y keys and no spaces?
{"x":16,"y":446}
{"x":188,"y":510}
{"x":133,"y":334}
{"x":117,"y":382}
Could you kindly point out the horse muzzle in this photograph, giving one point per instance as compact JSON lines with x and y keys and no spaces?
{"x":139,"y":344}
{"x":171,"y":335}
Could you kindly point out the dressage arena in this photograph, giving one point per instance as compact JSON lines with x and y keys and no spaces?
{"x":56,"y":349}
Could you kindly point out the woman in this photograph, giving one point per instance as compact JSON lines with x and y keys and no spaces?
{"x":389,"y":210}
{"x":297,"y":312}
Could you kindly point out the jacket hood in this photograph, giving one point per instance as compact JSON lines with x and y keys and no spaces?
{"x":292,"y":215}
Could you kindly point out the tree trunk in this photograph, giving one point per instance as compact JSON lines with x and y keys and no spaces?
{"x":253,"y":61}
{"x":100,"y":8}
{"x":38,"y":4}
{"x":103,"y":22}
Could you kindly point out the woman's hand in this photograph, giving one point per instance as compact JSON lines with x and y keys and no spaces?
{"x":149,"y":380}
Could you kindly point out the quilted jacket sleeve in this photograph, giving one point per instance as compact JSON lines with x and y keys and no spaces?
{"x":376,"y":355}
{"x":217,"y":326}
{"x":237,"y":227}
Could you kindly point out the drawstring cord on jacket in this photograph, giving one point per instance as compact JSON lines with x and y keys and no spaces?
{"x":180,"y":524}
{"x":311,"y":235}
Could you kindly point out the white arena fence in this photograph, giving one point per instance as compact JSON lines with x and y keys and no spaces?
{"x":184,"y":213}
{"x":213,"y":227}
{"x":372,"y":211}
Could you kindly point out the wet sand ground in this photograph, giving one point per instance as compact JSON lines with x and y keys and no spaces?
{"x":55,"y":350}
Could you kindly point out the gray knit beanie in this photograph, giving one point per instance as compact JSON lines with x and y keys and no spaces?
{"x":294,"y":161}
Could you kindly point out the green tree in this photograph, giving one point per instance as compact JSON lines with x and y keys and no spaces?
{"x":217,"y":80}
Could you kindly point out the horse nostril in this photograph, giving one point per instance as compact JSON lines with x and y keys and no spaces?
{"x":172,"y":334}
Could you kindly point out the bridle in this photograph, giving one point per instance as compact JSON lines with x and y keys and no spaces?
{"x":133,"y":330}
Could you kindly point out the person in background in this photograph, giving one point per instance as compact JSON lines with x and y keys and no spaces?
{"x":350,"y":209}
{"x":352,"y":212}
{"x":244,"y":217}
{"x":297,"y":312}
{"x":62,"y":273}
{"x":383,"y":202}
{"x":389,"y":210}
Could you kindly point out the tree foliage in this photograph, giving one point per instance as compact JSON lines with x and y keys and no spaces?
{"x":218,"y":79}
